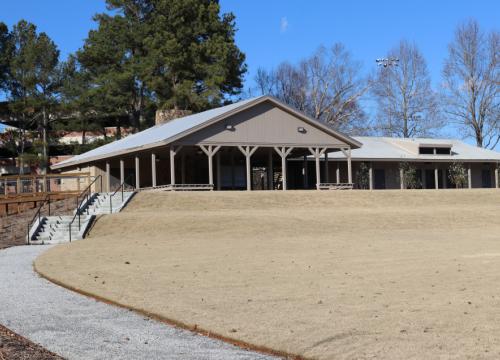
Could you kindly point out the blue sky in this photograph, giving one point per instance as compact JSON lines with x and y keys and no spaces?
{"x":273,"y":31}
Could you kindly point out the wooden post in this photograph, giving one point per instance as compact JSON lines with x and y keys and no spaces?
{"x":401,"y":178}
{"x":210,"y":152}
{"x":153,"y":169}
{"x":44,"y":184}
{"x":327,"y":175}
{"x":270,"y":175}
{"x":122,"y":171}
{"x":108,"y":176}
{"x":436,"y":177}
{"x":283,"y":152}
{"x":317,"y":153}
{"x":469,"y":176}
{"x":137,"y":173}
{"x":370,"y":176}
{"x":347,"y":153}
{"x":18,"y":186}
{"x":217,"y":157}
{"x":497,"y":180}
{"x":248,"y":151}
{"x":306,"y":175}
{"x":172,"y":165}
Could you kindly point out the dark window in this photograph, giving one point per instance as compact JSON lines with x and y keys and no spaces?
{"x":379,"y":179}
{"x":443,"y":151}
{"x":486,"y":178}
{"x":430,"y":182}
{"x":426,"y":150}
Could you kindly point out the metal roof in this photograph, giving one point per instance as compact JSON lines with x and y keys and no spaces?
{"x":166,"y":133}
{"x":401,"y":149}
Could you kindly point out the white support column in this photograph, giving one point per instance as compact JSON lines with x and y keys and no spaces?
{"x":210,"y":151}
{"x":337,"y":173}
{"x":270,"y":175}
{"x":436,"y":177}
{"x":137,"y":173}
{"x":370,"y":176}
{"x":122,"y":171}
{"x":402,"y":178}
{"x":172,"y":165}
{"x":108,"y":177}
{"x":317,"y":153}
{"x":153,"y":169}
{"x":248,"y":151}
{"x":283,"y":152}
{"x":217,"y":158}
{"x":347,"y":153}
{"x":327,"y":175}
{"x":469,"y":176}
{"x":497,"y":180}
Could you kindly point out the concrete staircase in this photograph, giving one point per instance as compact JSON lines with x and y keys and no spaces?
{"x":56,"y":229}
{"x":100,"y":203}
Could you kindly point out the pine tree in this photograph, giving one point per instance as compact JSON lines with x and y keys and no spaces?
{"x":32,"y":85}
{"x":161,"y":54}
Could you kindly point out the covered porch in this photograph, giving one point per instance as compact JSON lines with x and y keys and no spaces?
{"x":222,"y":167}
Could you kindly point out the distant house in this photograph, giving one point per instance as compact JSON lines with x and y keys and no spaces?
{"x":430,"y":157}
{"x":76,"y":137}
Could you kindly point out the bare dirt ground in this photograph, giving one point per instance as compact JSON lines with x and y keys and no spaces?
{"x":15,"y":347}
{"x":343,"y":275}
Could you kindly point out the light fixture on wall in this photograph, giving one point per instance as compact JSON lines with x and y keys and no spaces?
{"x":230,"y":127}
{"x":301,"y":129}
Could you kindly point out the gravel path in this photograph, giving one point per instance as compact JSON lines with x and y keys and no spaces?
{"x":78,"y":327}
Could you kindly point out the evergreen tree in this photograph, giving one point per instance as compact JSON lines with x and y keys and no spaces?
{"x":5,"y":53}
{"x":161,"y":54}
{"x":32,"y":85}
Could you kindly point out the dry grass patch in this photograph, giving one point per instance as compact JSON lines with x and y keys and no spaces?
{"x":353,"y":274}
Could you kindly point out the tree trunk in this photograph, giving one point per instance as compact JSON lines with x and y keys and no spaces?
{"x":45,"y":145}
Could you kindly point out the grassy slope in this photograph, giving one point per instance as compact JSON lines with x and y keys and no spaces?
{"x":321,"y":274}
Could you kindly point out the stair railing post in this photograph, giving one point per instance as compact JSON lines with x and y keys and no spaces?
{"x":69,"y":232}
{"x":29,"y":240}
{"x":110,"y":204}
{"x":49,"y":205}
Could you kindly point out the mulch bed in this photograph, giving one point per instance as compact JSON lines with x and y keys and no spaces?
{"x":15,"y":347}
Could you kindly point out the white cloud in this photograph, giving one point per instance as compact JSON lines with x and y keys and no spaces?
{"x":283,"y":24}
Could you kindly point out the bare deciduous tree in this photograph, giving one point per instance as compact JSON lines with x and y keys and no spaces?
{"x":472,"y":83}
{"x":407,"y":104}
{"x":327,"y":86}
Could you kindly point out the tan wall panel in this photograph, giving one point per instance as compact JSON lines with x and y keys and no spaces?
{"x":263,"y":124}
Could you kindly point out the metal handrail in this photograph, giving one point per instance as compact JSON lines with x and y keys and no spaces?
{"x":120,"y":187}
{"x":84,"y":195}
{"x":46,"y":199}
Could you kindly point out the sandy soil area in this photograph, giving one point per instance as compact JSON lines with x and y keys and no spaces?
{"x":327,"y":275}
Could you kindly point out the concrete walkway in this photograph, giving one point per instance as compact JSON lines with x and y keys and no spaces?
{"x":78,"y":327}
